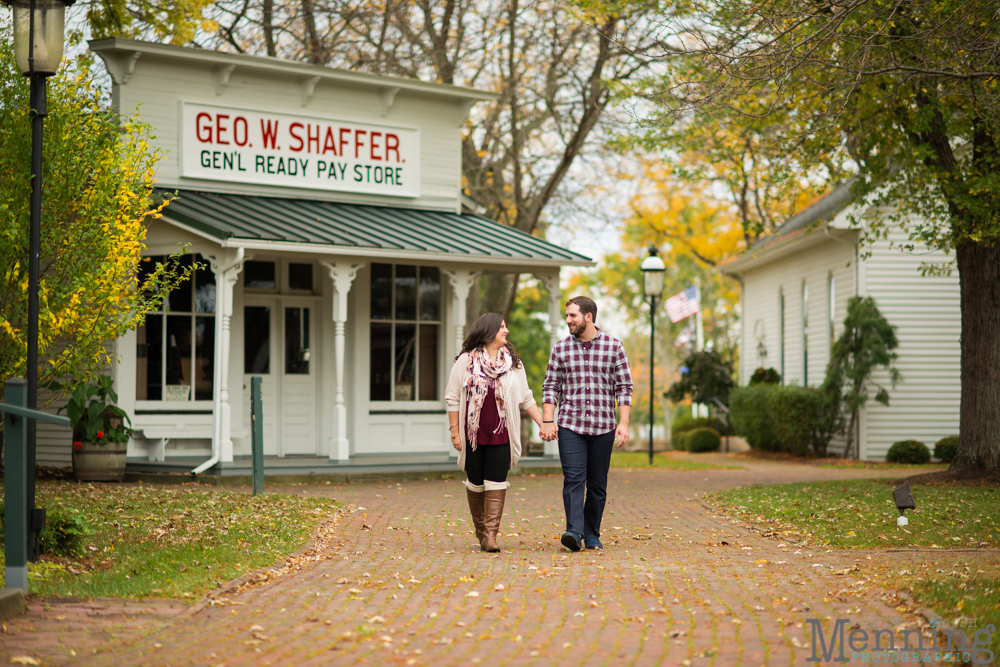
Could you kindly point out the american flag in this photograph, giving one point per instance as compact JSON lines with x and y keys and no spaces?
{"x":683,"y":305}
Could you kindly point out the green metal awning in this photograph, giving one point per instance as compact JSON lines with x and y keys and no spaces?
{"x":352,"y":229}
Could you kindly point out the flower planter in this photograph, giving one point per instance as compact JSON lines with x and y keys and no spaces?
{"x":97,"y":462}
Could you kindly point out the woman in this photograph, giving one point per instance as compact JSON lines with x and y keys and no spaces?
{"x":486,"y":391}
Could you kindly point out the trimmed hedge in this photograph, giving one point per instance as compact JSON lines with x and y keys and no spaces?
{"x":702,"y":440}
{"x":786,"y":418}
{"x":946,"y":448}
{"x":682,"y":425}
{"x":765,"y":376}
{"x":908,"y":451}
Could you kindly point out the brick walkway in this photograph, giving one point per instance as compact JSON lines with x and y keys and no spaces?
{"x":406,"y":585}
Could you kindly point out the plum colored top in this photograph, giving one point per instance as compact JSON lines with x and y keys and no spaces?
{"x":489,"y":418}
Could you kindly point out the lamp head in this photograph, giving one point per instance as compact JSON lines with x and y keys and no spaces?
{"x":903,"y":497}
{"x":39,"y":32}
{"x":652,"y":268}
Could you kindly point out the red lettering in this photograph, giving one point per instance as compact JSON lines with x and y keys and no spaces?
{"x":291,"y":131}
{"x":343,"y":142}
{"x":374,"y":146}
{"x":357,"y":141}
{"x":236,"y":131}
{"x":198,"y":127}
{"x":219,"y":129}
{"x":391,"y":144}
{"x":270,"y":132}
{"x":312,"y":139}
{"x":328,"y":142}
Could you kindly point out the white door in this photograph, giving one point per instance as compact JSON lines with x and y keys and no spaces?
{"x":298,"y":380}
{"x":260,"y":346}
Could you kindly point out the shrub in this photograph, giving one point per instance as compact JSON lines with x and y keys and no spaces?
{"x":765,"y":376}
{"x":790,"y":419}
{"x":945,"y":449}
{"x":908,"y":451}
{"x":702,"y":440}
{"x":683,"y":425}
{"x":64,"y":532}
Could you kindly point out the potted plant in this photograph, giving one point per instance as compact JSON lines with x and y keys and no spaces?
{"x":100,"y":434}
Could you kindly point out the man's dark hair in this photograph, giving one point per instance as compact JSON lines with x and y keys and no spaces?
{"x":586,"y":305}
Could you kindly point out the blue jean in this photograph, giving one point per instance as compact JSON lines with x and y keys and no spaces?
{"x":585,"y":462}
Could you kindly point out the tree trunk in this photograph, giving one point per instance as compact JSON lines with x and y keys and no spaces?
{"x":979,"y":430}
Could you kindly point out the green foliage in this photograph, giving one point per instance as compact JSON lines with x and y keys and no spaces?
{"x":64,"y":532}
{"x":92,"y":413}
{"x":529,"y":334}
{"x":786,"y":418}
{"x":867,"y":342}
{"x":946,"y":448}
{"x":765,"y":376}
{"x":98,"y":178}
{"x":908,"y":451}
{"x":708,"y":376}
{"x":702,"y":440}
{"x":685,"y":423}
{"x":175,"y":21}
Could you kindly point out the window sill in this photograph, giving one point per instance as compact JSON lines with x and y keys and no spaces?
{"x":174,"y":406}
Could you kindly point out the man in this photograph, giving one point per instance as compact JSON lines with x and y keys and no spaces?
{"x":588,"y":374}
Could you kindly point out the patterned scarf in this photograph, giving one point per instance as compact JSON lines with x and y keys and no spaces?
{"x":483,"y":374}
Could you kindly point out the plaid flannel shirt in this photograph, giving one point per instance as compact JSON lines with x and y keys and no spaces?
{"x":587,"y":384}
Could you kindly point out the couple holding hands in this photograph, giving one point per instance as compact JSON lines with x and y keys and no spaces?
{"x":587,"y":377}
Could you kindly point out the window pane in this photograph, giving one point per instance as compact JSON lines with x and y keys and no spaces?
{"x":259,"y":275}
{"x":146,"y":267}
{"x":381,"y":362}
{"x":178,"y":385}
{"x":300,"y":276}
{"x":204,"y":287}
{"x":204,"y":336}
{"x":149,"y":359}
{"x":406,"y":335}
{"x":406,"y":292}
{"x":430,"y":293}
{"x":381,"y":292}
{"x":428,"y":362}
{"x":179,"y":300}
{"x":256,"y":339}
{"x":297,"y":341}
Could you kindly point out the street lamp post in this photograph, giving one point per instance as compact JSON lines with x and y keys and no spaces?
{"x":652,"y":287}
{"x":39,"y":30}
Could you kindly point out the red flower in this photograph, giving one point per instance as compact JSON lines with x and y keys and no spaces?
{"x":77,"y":446}
{"x":100,"y":434}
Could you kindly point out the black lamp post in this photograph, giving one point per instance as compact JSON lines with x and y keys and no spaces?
{"x":39,"y":28}
{"x":652,"y":288}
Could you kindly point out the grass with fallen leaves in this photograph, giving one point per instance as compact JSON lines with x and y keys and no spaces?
{"x":154,"y":541}
{"x":861,"y":514}
{"x":662,"y":460}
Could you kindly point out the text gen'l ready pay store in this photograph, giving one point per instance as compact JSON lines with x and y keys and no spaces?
{"x":325,"y":207}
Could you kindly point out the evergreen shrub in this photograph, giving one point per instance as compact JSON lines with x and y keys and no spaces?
{"x":946,"y":448}
{"x":702,"y":440}
{"x":908,"y":451}
{"x":786,"y":418}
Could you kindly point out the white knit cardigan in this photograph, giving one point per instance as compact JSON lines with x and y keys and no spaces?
{"x":517,"y":395}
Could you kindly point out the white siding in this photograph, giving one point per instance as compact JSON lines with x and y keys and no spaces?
{"x":926,"y":314}
{"x":158,"y":85}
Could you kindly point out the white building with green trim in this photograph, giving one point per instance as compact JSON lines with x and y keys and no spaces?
{"x":326,"y":208}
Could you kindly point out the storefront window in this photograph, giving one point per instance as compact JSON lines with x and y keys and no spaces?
{"x":175,"y":347}
{"x":405,"y":328}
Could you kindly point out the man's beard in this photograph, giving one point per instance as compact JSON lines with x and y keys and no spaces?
{"x":578,"y":331}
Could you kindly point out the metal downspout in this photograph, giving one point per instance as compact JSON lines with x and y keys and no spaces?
{"x":217,"y":376}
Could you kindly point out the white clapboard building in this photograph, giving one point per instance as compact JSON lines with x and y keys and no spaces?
{"x":326,"y":208}
{"x":796,"y":285}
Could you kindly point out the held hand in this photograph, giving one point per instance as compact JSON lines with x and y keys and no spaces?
{"x":548,"y":432}
{"x":621,"y":435}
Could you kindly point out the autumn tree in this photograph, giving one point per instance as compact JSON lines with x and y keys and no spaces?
{"x":906,"y":96}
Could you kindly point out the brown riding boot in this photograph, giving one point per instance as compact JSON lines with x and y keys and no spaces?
{"x":476,"y":495}
{"x":496,"y":494}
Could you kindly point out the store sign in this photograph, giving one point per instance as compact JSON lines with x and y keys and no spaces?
{"x":245,"y":146}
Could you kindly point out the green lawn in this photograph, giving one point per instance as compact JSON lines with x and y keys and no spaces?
{"x":662,"y":460}
{"x":154,"y":541}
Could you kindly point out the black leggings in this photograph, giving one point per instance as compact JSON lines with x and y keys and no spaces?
{"x":487,"y":462}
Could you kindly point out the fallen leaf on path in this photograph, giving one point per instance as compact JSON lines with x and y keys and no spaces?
{"x":24,"y":660}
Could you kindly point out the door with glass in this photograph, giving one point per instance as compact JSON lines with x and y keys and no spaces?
{"x":260,"y":344}
{"x":298,"y":380}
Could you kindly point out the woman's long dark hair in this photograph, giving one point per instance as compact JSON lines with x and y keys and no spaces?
{"x":483,"y":332}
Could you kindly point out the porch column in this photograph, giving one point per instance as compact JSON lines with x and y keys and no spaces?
{"x":461,"y":283}
{"x":342,"y":274}
{"x":226,"y":268}
{"x":551,"y":284}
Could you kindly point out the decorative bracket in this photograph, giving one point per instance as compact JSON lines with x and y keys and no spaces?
{"x":120,"y":65}
{"x":342,"y":274}
{"x":386,"y":97}
{"x":462,"y":111}
{"x":222,"y":75}
{"x":307,"y":88}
